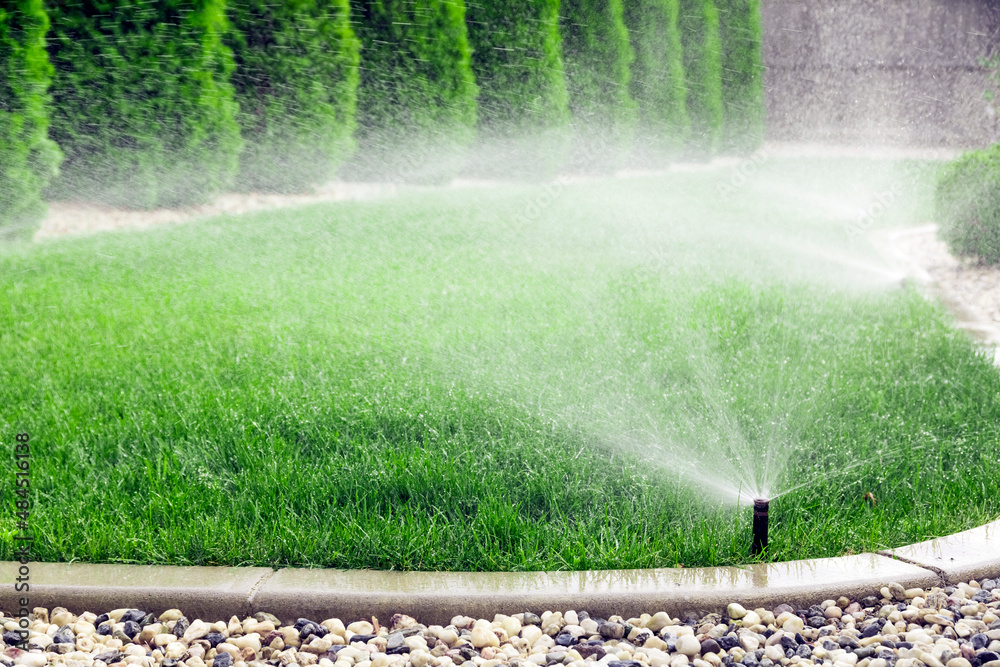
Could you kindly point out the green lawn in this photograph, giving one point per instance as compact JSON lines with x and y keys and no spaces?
{"x":513,"y":378}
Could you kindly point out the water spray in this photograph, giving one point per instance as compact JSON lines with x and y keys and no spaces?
{"x":760,"y":506}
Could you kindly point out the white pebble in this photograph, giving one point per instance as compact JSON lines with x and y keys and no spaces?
{"x":688,"y":646}
{"x":657,"y":622}
{"x":793,"y":624}
{"x":736,"y":611}
{"x":361,"y":628}
{"x":484,"y":637}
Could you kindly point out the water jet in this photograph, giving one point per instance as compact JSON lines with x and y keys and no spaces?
{"x":760,"y":508}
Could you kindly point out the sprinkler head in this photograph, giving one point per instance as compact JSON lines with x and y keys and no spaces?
{"x":759,"y":544}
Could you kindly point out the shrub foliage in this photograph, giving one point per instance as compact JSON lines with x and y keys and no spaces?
{"x":28,"y":159}
{"x":142,"y":104}
{"x":699,"y":26}
{"x":296,"y":81}
{"x":417,"y":95}
{"x":523,"y":102}
{"x":657,"y":81}
{"x":967,"y":205}
{"x":598,"y":55}
{"x":742,"y":75}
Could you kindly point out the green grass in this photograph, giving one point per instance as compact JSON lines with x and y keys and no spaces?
{"x":517,"y":378}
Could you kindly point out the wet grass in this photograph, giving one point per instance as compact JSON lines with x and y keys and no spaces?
{"x":496,"y":379}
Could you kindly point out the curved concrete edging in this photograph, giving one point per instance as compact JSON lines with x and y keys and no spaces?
{"x":436,"y":597}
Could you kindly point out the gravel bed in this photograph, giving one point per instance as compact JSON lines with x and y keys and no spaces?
{"x":958,"y":626}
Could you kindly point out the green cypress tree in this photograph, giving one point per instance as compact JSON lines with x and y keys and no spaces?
{"x":598,"y":55}
{"x":523,"y":102}
{"x":657,"y":82}
{"x":699,"y":25}
{"x":142,"y":104}
{"x":296,"y":82}
{"x":28,"y":159}
{"x":417,"y":95}
{"x":742,"y":75}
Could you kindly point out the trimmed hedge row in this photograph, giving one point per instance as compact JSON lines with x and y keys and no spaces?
{"x":657,"y":81}
{"x":523,"y":102}
{"x":170,"y":102}
{"x":742,"y":75}
{"x":142,"y":103}
{"x":296,"y":81}
{"x":967,"y":205}
{"x":28,"y":159}
{"x":417,"y":95}
{"x":598,"y":55}
{"x":699,"y":26}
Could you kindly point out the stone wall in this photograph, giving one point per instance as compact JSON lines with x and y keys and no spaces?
{"x":880,"y":72}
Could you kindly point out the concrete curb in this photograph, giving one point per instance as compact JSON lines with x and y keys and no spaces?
{"x":435,"y":597}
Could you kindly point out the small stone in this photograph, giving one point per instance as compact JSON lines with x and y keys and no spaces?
{"x":929,"y":659}
{"x":749,"y":643}
{"x":196,"y":630}
{"x":31,"y":660}
{"x":958,"y":662}
{"x":736,"y":611}
{"x":360,"y":628}
{"x":710,"y":646}
{"x":658,"y":621}
{"x":484,"y":636}
{"x":60,"y":616}
{"x":529,"y":619}
{"x":587,"y":650}
{"x":774,"y":652}
{"x":793,"y":625}
{"x":688,"y":645}
{"x":223,"y":660}
{"x":611,"y":630}
{"x":833,"y":612}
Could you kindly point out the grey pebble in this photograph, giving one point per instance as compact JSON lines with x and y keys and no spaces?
{"x":611,"y":630}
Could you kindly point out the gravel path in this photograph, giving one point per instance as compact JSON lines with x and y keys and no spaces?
{"x":971,"y":291}
{"x":71,"y":218}
{"x":957,"y":626}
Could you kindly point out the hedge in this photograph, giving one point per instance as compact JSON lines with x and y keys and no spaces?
{"x":657,"y":82}
{"x":28,"y":159}
{"x":296,"y":81}
{"x":417,"y":95}
{"x":967,"y":205}
{"x":598,"y":55}
{"x":698,"y":21}
{"x":523,"y":102}
{"x":142,"y":104}
{"x":742,"y":75}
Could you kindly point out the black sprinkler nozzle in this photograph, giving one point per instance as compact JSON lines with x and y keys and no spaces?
{"x":759,"y":544}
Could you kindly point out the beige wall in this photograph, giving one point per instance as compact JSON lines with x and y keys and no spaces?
{"x":880,"y":72}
